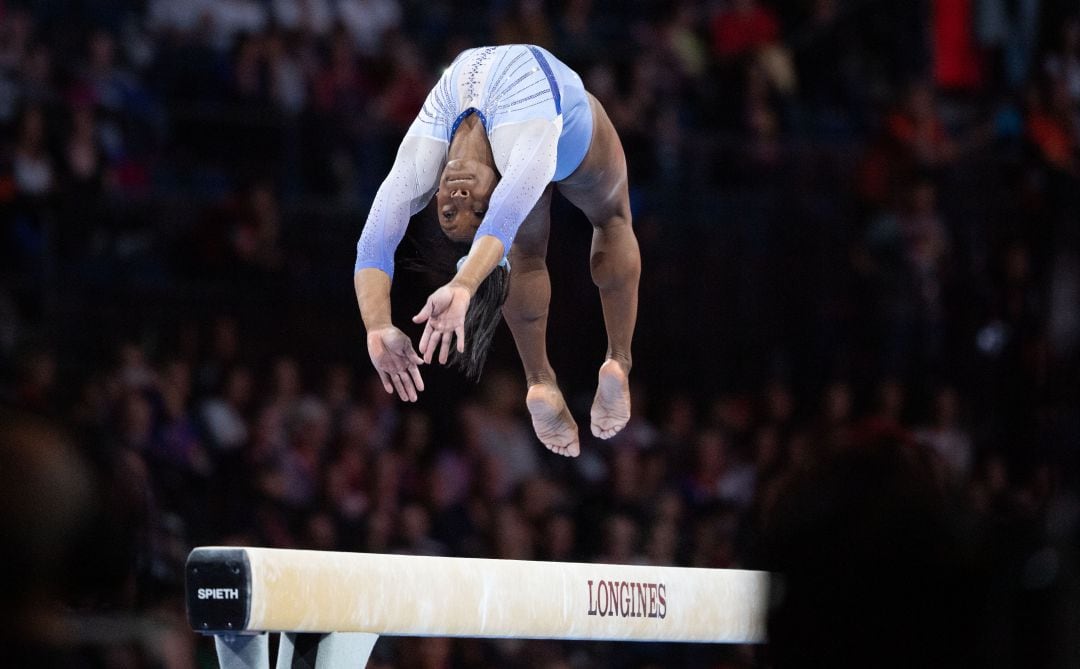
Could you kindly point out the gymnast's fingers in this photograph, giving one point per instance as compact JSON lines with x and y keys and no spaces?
{"x":418,"y":380}
{"x":460,"y":332}
{"x":424,"y":314}
{"x":425,"y":339}
{"x":447,"y":342}
{"x":385,"y":378}
{"x":400,"y":389}
{"x":429,"y":343}
{"x":407,"y":384}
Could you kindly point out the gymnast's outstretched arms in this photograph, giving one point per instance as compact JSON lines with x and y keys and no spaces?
{"x":404,"y":192}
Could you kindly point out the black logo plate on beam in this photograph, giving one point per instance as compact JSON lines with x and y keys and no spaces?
{"x":218,"y":589}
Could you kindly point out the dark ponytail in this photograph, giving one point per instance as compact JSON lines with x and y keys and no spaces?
{"x":481,"y":321}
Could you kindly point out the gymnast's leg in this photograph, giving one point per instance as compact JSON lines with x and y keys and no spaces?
{"x":526,"y":312}
{"x":599,"y":188}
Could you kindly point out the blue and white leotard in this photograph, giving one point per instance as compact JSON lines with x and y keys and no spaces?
{"x":539,"y":123}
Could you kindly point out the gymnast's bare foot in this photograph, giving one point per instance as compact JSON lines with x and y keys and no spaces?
{"x":611,"y":406}
{"x":552,"y":422}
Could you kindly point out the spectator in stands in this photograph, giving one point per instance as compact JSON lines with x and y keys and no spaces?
{"x":348,"y":482}
{"x":224,"y":416}
{"x":1063,"y":63}
{"x":575,"y":32}
{"x":408,"y":86}
{"x":310,"y":17}
{"x":178,"y":444}
{"x":180,"y":17}
{"x":946,"y":436}
{"x":1052,"y":126}
{"x":35,"y":175}
{"x":415,"y":533}
{"x":270,"y":436}
{"x":257,"y":233}
{"x":684,"y":42}
{"x":621,"y":539}
{"x":294,"y":478}
{"x":369,"y":21}
{"x":31,"y":84}
{"x":35,"y":384}
{"x":16,"y":36}
{"x":524,"y":22}
{"x":83,"y":165}
{"x":289,"y":74}
{"x":918,"y":131}
{"x":511,"y":537}
{"x":500,"y":433}
{"x":559,"y":538}
{"x":662,"y":544}
{"x":834,"y":427}
{"x":907,"y":256}
{"x":230,"y":19}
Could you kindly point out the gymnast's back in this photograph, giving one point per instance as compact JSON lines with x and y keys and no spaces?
{"x":501,"y":84}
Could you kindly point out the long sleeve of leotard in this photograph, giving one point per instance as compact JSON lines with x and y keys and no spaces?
{"x":405,"y":191}
{"x":526,"y":155}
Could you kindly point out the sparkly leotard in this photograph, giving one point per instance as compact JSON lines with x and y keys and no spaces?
{"x":538,"y":120}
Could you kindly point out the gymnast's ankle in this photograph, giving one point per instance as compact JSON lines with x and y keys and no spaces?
{"x":546,"y":378}
{"x":624,"y":360}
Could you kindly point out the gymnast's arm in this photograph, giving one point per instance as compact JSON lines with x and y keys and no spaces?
{"x":404,"y":192}
{"x":525,"y":154}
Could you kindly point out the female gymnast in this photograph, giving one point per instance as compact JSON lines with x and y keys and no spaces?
{"x":502,"y":128}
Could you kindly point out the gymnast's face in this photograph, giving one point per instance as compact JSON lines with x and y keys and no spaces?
{"x":462,"y":199}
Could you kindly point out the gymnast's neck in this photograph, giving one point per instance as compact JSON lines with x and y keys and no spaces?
{"x":470,"y":142}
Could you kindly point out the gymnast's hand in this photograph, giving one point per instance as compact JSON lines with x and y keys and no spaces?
{"x":444,"y":314}
{"x":396,"y":362}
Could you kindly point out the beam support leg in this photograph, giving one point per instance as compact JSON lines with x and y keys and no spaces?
{"x":243,"y":651}
{"x":340,"y":650}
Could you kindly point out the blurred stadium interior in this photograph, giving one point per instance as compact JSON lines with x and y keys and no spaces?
{"x":857,"y":359}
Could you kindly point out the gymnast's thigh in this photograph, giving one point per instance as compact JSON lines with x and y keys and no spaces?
{"x":532,"y":236}
{"x":599,"y":186}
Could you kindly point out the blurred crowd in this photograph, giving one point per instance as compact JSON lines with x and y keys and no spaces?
{"x":859,"y":224}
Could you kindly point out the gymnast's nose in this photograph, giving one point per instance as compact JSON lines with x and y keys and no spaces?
{"x":459,"y":192}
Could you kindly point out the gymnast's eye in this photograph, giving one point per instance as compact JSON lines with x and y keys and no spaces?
{"x":479,"y":214}
{"x":448,"y":215}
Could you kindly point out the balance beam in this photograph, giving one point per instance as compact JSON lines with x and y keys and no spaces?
{"x":233,"y":592}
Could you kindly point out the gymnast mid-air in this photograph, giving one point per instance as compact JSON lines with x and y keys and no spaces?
{"x":502,"y":127}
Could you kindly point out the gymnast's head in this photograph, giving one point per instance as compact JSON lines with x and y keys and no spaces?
{"x":465,"y":188}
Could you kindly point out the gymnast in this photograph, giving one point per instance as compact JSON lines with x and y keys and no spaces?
{"x":503,"y":127}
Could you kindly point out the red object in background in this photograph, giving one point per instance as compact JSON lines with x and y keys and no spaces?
{"x":957,"y":59}
{"x":907,"y":131}
{"x":735,"y":32}
{"x":1054,"y":139}
{"x":404,"y":95}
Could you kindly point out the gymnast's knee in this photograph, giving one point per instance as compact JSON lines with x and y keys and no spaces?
{"x":523,"y":314}
{"x":615,"y":259}
{"x":530,"y":306}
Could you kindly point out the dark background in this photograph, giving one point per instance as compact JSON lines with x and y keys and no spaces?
{"x":856,"y":360}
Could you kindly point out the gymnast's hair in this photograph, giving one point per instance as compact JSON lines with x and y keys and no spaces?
{"x":439,"y":255}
